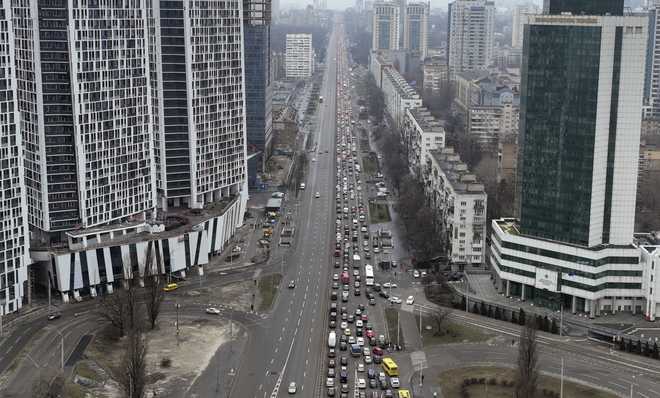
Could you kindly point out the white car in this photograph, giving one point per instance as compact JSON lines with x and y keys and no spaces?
{"x":360,"y":367}
{"x":317,"y":195}
{"x":423,"y":274}
{"x":416,"y":274}
{"x":410,"y":300}
{"x":360,"y":341}
{"x":394,"y":381}
{"x":292,"y":387}
{"x":368,"y":360}
{"x":362,"y":384}
{"x":358,"y":323}
{"x":329,"y":382}
{"x":343,"y":325}
{"x":395,"y":300}
{"x":213,"y":311}
{"x":389,"y":285}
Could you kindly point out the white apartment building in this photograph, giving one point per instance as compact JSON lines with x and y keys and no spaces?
{"x":459,"y":201}
{"x":14,"y":235}
{"x":199,"y":103}
{"x":421,"y":133}
{"x":487,"y":123}
{"x":416,"y":29}
{"x":386,"y":22}
{"x":299,"y":56}
{"x":160,"y":121}
{"x":85,"y":114}
{"x":399,"y":95}
{"x":520,"y":16}
{"x":471,"y":30}
{"x":435,"y":74}
{"x":652,"y":78}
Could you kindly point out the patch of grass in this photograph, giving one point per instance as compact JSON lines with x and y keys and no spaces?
{"x":370,"y":164}
{"x":451,"y":384}
{"x":390,"y":318}
{"x":379,"y":213}
{"x":452,"y":333}
{"x":268,"y":286}
{"x":84,"y":370}
{"x":73,"y":390}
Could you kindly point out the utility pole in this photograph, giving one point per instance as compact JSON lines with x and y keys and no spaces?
{"x":61,"y":349}
{"x":561,"y":318}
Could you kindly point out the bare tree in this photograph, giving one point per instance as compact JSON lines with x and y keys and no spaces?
{"x":121,"y":309}
{"x":154,"y":298}
{"x":133,"y":376}
{"x":528,"y":358}
{"x":440,"y":317}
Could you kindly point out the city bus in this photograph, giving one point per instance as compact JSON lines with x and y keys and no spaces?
{"x":390,"y":368}
{"x":369,"y":274}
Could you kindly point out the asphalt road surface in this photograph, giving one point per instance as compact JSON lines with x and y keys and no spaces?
{"x":286,"y":347}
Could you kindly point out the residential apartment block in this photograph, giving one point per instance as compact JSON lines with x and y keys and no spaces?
{"x":133,"y":116}
{"x":652,"y":73}
{"x":577,"y":167}
{"x":520,"y":15}
{"x":459,"y":201}
{"x":435,"y":75}
{"x":421,"y":133}
{"x":386,"y":25}
{"x":470,"y":35}
{"x":299,"y":56}
{"x":85,"y":114}
{"x":416,"y":29}
{"x":14,"y":235}
{"x":399,"y":95}
{"x":489,"y":104}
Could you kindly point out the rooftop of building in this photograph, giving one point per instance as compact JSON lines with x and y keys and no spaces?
{"x":400,"y":84}
{"x":472,"y":75}
{"x":462,"y":180}
{"x":511,"y":226}
{"x":174,"y":222}
{"x":427,"y":122}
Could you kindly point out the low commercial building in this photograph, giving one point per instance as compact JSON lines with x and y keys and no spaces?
{"x":459,"y":201}
{"x":421,"y":133}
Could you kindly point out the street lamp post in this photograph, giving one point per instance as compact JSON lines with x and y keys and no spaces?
{"x":61,"y":349}
{"x":561,"y":383}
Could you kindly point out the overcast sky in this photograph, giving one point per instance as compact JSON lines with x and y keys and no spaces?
{"x":342,"y":4}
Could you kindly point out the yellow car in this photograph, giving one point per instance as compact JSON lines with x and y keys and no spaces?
{"x":170,"y":287}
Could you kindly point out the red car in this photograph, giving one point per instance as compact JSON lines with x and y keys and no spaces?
{"x":365,"y":317}
{"x":370,"y":334}
{"x":377,"y":351}
{"x":337,"y":253}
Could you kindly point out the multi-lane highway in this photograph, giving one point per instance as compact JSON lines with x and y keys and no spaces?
{"x":287,"y":346}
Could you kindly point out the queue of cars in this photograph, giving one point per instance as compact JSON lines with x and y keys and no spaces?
{"x":357,"y":360}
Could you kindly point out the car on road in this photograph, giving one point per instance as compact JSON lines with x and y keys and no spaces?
{"x":292,"y":387}
{"x":331,"y":391}
{"x":372,"y":301}
{"x":329,"y":382}
{"x":213,"y":311}
{"x":332,"y":353}
{"x":317,"y":195}
{"x":394,"y":382}
{"x":292,"y":284}
{"x":331,"y":363}
{"x":389,"y":285}
{"x":302,"y":185}
{"x":416,"y":274}
{"x":395,"y":300}
{"x":360,"y":367}
{"x":56,"y":315}
{"x":410,"y":300}
{"x":373,"y":384}
{"x":377,"y":351}
{"x":368,"y":360}
{"x":362,"y":384}
{"x":331,"y":372}
{"x":343,"y":325}
{"x":170,"y":287}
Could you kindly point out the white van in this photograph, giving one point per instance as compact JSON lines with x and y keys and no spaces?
{"x":302,"y":185}
{"x":332,"y":339}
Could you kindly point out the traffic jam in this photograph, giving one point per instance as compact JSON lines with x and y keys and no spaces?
{"x":358,"y":364}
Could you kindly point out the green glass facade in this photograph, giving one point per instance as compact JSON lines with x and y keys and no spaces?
{"x":558,"y":118}
{"x":586,"y":7}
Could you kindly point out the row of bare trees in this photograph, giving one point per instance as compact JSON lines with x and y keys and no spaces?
{"x":130,"y":311}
